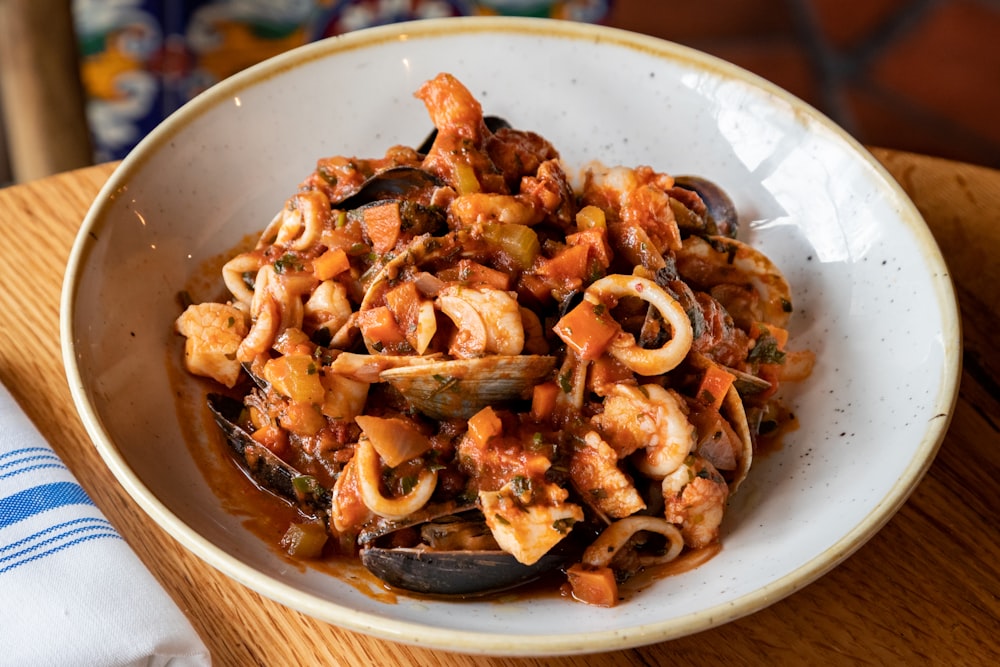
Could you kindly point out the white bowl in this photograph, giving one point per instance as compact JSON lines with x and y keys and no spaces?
{"x":872,"y":293}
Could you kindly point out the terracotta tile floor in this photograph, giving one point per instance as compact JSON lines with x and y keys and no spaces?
{"x":917,"y":75}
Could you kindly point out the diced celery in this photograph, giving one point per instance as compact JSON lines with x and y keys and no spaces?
{"x":305,"y":540}
{"x":518,"y":242}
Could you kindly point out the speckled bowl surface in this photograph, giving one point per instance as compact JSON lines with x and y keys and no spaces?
{"x":872,"y":299}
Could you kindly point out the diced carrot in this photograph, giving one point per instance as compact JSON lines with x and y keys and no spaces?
{"x":403,"y":301}
{"x":714,"y":386}
{"x":473,"y":273}
{"x":593,"y":585}
{"x":543,"y":400}
{"x":382,"y":224}
{"x":379,"y":325}
{"x":331,"y":263}
{"x":569,"y":262}
{"x":484,"y":425}
{"x":587,"y":329}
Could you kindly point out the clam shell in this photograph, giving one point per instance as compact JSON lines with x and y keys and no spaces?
{"x":463,"y":387}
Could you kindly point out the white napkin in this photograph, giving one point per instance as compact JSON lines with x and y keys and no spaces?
{"x":72,"y":592}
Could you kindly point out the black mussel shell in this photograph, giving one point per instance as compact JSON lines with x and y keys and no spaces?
{"x":392,"y":183}
{"x":454,"y":573}
{"x":266,"y":469}
{"x":493,"y":123}
{"x":722,"y":215}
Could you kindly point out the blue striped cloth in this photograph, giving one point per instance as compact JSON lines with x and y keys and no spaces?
{"x":72,"y":592}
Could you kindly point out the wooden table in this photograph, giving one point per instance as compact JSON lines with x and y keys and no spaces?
{"x":926,"y":589}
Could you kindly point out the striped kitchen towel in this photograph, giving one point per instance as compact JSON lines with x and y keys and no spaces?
{"x":72,"y":592}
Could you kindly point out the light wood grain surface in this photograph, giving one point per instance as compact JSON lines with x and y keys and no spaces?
{"x":925,"y":589}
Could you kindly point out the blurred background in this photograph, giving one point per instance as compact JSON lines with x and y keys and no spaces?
{"x":82,"y":81}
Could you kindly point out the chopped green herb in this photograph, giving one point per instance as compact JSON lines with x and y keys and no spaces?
{"x":288,"y":262}
{"x":520,"y":485}
{"x":407,"y":484}
{"x":766,"y":351}
{"x":563,"y":525}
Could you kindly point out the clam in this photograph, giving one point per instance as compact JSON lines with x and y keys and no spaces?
{"x":462,"y":387}
{"x":734,"y":412}
{"x":263,"y":466}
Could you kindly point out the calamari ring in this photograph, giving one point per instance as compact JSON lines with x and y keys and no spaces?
{"x":233,"y":271}
{"x":369,"y":475}
{"x":623,"y":347}
{"x":601,"y":552}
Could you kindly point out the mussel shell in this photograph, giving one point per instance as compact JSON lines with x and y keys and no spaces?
{"x":454,"y":573}
{"x":463,"y":387}
{"x":392,"y":183}
{"x":722,"y":213}
{"x":493,"y":123}
{"x":266,"y":469}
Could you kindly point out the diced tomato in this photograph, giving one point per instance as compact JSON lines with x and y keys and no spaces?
{"x":382,"y":224}
{"x":473,"y":273}
{"x":568,"y":263}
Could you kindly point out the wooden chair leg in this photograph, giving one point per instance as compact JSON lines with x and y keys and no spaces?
{"x":41,"y":95}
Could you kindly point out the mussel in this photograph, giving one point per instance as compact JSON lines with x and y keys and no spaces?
{"x":454,"y":555}
{"x":392,"y":183}
{"x":493,"y":123}
{"x":263,"y":466}
{"x":720,"y":217}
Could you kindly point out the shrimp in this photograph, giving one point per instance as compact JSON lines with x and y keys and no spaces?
{"x":458,"y":155}
{"x":650,"y":422}
{"x":214,"y":331}
{"x":488,"y":321}
{"x":637,"y":200}
{"x":694,"y":497}
{"x":480,"y":207}
{"x":722,"y":265}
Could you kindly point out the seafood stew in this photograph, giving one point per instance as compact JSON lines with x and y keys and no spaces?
{"x":456,"y":358}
